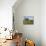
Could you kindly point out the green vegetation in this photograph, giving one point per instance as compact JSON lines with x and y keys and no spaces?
{"x":28,"y":21}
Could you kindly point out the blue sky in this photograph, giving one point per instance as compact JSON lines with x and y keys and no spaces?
{"x":29,"y":17}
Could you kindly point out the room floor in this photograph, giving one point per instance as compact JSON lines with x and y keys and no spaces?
{"x":9,"y":43}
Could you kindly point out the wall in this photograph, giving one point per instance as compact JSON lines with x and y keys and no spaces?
{"x":29,"y":8}
{"x":43,"y":22}
{"x":6,"y":13}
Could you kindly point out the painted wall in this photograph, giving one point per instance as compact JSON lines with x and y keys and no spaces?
{"x":6,"y":13}
{"x":43,"y":22}
{"x":29,"y":8}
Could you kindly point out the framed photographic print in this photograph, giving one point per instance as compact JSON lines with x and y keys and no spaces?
{"x":28,"y":20}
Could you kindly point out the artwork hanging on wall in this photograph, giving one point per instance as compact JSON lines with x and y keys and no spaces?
{"x":28,"y":20}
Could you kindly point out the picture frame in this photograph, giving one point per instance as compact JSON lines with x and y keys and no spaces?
{"x":28,"y":20}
